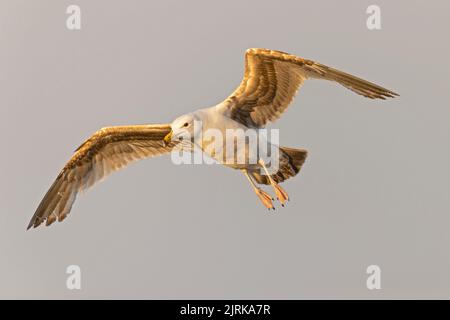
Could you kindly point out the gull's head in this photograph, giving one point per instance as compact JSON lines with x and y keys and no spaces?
{"x":183,"y":128}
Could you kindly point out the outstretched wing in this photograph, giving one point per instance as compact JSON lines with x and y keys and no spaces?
{"x":271,"y":80}
{"x":107,"y":150}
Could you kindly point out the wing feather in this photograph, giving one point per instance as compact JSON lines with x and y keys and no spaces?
{"x":107,"y":150}
{"x":271,"y":80}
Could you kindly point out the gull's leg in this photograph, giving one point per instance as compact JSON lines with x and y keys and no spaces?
{"x":265,"y":198}
{"x":282,"y":195}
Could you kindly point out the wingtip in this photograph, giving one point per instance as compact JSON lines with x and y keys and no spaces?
{"x":392,"y":94}
{"x":30,"y":225}
{"x":384,"y":95}
{"x":33,"y":224}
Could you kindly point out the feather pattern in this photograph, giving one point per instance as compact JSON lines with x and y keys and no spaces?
{"x":107,"y":150}
{"x":271,"y":80}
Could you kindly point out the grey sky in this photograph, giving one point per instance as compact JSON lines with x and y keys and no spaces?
{"x":374,"y":189}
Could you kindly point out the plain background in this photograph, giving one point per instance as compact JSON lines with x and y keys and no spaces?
{"x":374,"y":190}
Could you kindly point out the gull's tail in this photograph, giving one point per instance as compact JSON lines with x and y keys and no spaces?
{"x":290,"y":163}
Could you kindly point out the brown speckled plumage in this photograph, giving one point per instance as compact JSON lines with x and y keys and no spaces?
{"x":107,"y":150}
{"x":272,"y":78}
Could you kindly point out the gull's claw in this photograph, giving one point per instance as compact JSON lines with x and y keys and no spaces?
{"x":265,"y":198}
{"x":282,"y":195}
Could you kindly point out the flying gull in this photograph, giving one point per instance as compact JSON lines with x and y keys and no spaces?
{"x":271,"y":80}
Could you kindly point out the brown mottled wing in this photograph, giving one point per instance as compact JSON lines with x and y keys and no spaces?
{"x":271,"y":80}
{"x":107,"y":150}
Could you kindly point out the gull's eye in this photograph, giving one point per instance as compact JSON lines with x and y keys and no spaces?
{"x":185,"y":125}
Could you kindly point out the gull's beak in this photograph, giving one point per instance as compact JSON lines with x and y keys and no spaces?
{"x":168,"y":137}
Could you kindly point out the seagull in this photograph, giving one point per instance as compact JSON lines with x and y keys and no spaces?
{"x":271,"y":80}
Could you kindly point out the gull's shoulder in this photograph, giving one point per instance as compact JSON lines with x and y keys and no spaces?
{"x":215,"y":111}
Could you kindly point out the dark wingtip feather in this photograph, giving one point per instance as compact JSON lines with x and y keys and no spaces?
{"x":47,"y":204}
